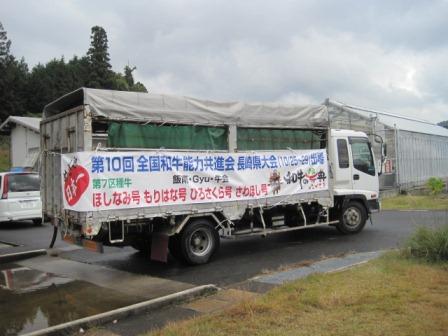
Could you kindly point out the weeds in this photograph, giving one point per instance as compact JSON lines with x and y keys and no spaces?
{"x":410,"y":202}
{"x":435,"y":185}
{"x":428,"y":244}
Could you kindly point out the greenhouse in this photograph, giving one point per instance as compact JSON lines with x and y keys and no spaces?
{"x":415,"y":149}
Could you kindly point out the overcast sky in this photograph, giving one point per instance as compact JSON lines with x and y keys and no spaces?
{"x":387,"y":55}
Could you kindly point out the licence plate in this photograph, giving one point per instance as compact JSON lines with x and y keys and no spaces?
{"x":28,"y":204}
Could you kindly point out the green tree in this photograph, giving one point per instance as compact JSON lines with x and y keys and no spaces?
{"x":54,"y":79}
{"x":101,"y":74}
{"x":46,"y":83}
{"x":79,"y":68}
{"x":4,"y":43}
{"x":13,"y":78}
{"x":119,"y":82}
{"x":136,"y":87}
{"x":126,"y":82}
{"x":26,"y":93}
{"x":139,"y":87}
{"x":128,"y":75}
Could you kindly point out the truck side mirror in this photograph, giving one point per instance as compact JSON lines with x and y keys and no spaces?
{"x":382,"y":159}
{"x":383,"y":151}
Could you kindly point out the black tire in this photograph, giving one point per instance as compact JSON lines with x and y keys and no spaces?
{"x":142,"y":245}
{"x":37,"y":222}
{"x":198,"y":241}
{"x":353,"y":218}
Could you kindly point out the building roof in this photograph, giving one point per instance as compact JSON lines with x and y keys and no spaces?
{"x":391,"y":120}
{"x":27,"y":122}
{"x":158,"y":108}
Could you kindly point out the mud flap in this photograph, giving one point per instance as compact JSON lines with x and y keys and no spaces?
{"x":159,"y":247}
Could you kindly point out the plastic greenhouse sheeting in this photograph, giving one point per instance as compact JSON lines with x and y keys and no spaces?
{"x":130,"y":135}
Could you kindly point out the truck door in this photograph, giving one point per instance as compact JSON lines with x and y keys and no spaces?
{"x":341,"y":164}
{"x":365,"y":177}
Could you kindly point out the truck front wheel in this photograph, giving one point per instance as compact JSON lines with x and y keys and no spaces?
{"x":353,"y":218}
{"x":198,"y":241}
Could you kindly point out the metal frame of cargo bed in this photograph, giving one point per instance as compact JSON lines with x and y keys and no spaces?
{"x":71,"y":131}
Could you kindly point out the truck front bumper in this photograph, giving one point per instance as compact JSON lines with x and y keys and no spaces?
{"x":374,"y":205}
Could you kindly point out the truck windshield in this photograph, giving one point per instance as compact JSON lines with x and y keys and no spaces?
{"x":362,"y":156}
{"x":23,"y":182}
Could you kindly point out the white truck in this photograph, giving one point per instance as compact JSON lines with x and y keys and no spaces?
{"x":169,"y":174}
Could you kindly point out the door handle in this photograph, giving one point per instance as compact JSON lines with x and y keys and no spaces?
{"x":356,"y":177}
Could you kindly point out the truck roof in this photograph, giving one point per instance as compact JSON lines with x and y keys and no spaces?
{"x":348,"y":133}
{"x":160,"y":108}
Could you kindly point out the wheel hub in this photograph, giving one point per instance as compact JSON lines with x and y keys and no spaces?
{"x":197,"y":241}
{"x":200,"y":242}
{"x":352,"y":217}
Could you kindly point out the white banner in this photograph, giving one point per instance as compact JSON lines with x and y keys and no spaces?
{"x":118,"y":180}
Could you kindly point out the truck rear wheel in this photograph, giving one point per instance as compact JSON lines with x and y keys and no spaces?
{"x":353,"y":218}
{"x":197,"y":242}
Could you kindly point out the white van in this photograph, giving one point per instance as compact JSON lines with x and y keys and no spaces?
{"x":20,"y":197}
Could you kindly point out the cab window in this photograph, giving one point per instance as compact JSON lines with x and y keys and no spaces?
{"x":362,"y":156}
{"x":342,"y":153}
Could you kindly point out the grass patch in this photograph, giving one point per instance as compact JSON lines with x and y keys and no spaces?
{"x":388,"y":296}
{"x":409,"y":202}
{"x":429,"y":245}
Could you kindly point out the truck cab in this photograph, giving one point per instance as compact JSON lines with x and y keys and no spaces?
{"x":355,"y":176}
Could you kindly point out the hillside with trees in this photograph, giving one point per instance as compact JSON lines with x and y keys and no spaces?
{"x":24,"y":92}
{"x":443,"y":123}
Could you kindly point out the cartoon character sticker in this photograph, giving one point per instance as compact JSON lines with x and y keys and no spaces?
{"x":274,"y":182}
{"x":76,"y":181}
{"x":316,"y":178}
{"x":311,"y":174}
